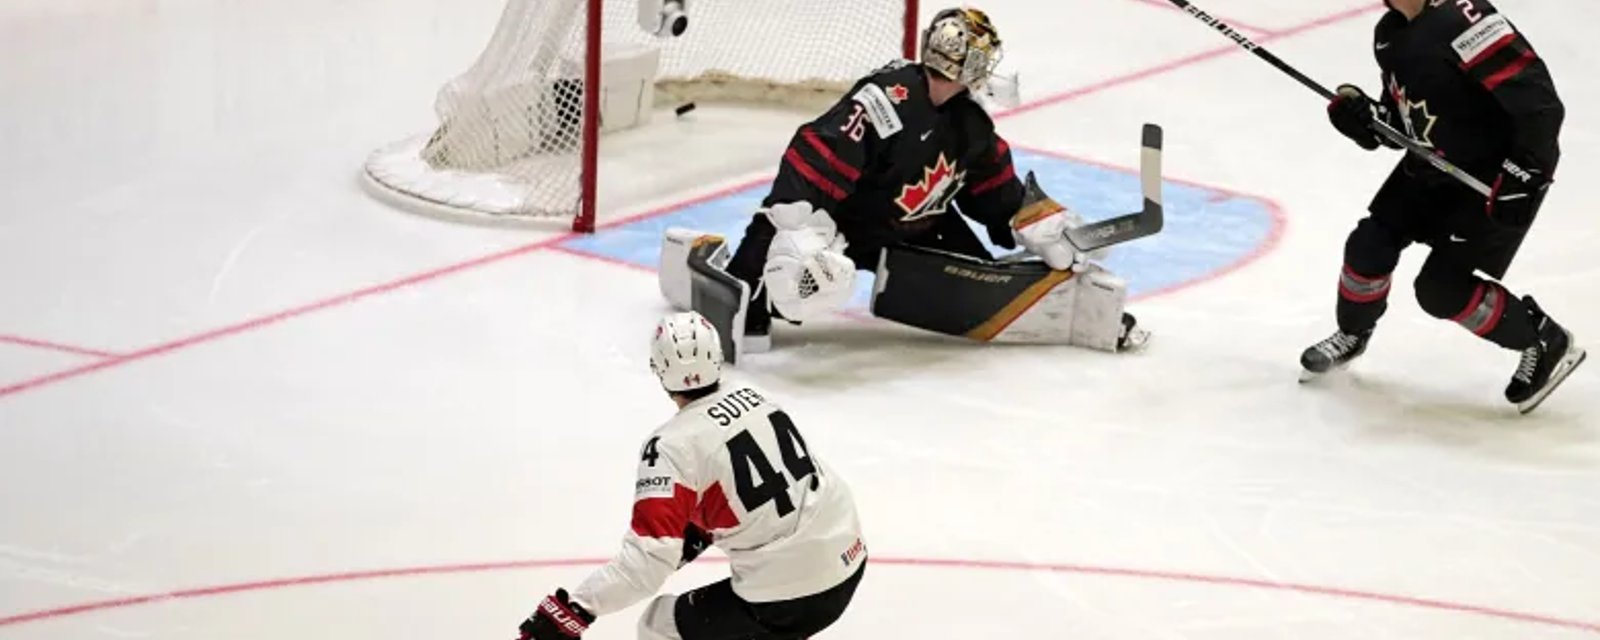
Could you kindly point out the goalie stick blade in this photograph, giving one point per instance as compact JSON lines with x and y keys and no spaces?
{"x":1102,"y":234}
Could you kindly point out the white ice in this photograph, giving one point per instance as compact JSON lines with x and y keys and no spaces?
{"x":291,"y":387}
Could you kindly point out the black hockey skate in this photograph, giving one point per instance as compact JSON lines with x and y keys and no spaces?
{"x":1546,"y":364}
{"x":1334,"y":352}
{"x":1133,"y":336}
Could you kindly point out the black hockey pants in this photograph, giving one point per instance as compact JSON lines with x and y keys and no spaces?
{"x":1452,"y":219}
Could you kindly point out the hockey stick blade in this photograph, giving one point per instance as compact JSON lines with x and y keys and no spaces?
{"x":1102,"y":234}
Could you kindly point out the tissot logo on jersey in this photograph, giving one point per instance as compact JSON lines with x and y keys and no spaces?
{"x":931,"y":195}
{"x":653,"y":487}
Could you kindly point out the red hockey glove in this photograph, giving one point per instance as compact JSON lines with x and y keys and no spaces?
{"x":557,"y":618}
{"x":1515,"y":197}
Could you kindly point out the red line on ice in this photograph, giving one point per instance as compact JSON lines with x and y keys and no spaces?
{"x":56,"y":346}
{"x":935,"y":563}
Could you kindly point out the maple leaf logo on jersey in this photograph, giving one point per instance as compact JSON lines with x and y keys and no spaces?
{"x":931,"y":196}
{"x":1414,"y":115}
{"x":897,"y":93}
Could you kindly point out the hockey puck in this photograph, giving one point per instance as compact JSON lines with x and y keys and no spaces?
{"x":684,"y":108}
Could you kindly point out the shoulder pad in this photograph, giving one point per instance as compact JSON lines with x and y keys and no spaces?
{"x":892,"y":66}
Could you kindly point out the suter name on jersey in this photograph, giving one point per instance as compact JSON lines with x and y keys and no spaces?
{"x":732,"y":470}
{"x":734,"y":405}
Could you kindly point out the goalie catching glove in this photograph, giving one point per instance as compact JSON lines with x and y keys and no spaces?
{"x":806,"y":273}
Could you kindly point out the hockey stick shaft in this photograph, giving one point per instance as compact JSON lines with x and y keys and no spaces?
{"x":1407,"y":142}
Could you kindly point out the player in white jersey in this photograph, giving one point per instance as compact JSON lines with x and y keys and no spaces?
{"x":730,"y":470}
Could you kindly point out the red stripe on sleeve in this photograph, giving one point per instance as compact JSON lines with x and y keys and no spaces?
{"x":1009,"y":174}
{"x":1503,"y":42}
{"x":1510,"y":71}
{"x":1001,"y":148}
{"x":714,"y":513}
{"x":810,"y":174}
{"x":850,"y":173}
{"x":664,"y":517}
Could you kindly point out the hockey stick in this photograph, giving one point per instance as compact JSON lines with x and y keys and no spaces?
{"x":1407,"y":142}
{"x":1133,"y":226}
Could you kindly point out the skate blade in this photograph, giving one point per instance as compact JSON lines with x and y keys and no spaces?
{"x":1136,"y":340}
{"x":1307,"y":375}
{"x":1568,"y":364}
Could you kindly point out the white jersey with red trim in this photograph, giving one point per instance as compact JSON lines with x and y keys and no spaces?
{"x":733,"y":464}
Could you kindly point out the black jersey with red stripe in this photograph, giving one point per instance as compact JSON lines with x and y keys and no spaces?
{"x":1461,"y":78}
{"x":885,"y":162}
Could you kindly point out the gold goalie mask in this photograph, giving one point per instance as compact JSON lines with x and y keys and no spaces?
{"x":962,"y":45}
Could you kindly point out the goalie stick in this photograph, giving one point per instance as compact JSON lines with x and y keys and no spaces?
{"x":1406,"y":142}
{"x":1102,"y":234}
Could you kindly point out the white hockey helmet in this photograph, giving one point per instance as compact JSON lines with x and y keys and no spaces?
{"x":686,"y":352}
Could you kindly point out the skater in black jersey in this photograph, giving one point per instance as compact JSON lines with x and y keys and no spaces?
{"x":1459,"y":78}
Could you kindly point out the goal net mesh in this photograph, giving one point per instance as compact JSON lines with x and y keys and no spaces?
{"x":510,"y":137}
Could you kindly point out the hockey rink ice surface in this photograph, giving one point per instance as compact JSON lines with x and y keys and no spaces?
{"x":241,"y":399}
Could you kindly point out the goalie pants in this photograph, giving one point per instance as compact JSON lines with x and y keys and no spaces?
{"x":715,"y":612}
{"x":950,"y":232}
{"x":1423,"y":207}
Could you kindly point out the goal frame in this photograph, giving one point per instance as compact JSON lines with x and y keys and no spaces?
{"x":589,"y":179}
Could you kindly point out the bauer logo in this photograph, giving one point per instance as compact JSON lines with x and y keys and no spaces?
{"x":973,"y":274}
{"x":1482,"y":38}
{"x":1219,"y":25}
{"x":880,"y":110}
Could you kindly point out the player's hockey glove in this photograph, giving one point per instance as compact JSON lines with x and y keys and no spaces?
{"x":1355,"y":115}
{"x":1516,"y":193}
{"x":557,"y":618}
{"x":695,"y":542}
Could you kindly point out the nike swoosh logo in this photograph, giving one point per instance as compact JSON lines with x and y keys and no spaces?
{"x":1456,"y":238}
{"x":925,"y":135}
{"x":1382,"y":46}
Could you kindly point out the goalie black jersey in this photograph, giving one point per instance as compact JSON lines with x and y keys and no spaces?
{"x":1461,"y":79}
{"x":886,"y":163}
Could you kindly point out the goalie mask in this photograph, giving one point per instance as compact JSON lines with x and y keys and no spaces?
{"x":962,"y":45}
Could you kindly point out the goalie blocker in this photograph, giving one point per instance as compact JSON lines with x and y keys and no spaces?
{"x":983,"y":300}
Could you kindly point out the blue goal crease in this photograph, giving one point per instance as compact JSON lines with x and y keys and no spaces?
{"x":1206,"y":231}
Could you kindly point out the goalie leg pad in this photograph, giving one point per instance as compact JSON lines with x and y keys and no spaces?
{"x":723,"y":299}
{"x":1019,"y":302}
{"x":673,"y":273}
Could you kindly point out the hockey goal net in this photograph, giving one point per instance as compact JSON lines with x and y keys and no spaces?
{"x":519,"y":132}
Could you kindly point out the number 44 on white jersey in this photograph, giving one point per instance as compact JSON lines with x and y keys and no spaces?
{"x":735,"y":465}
